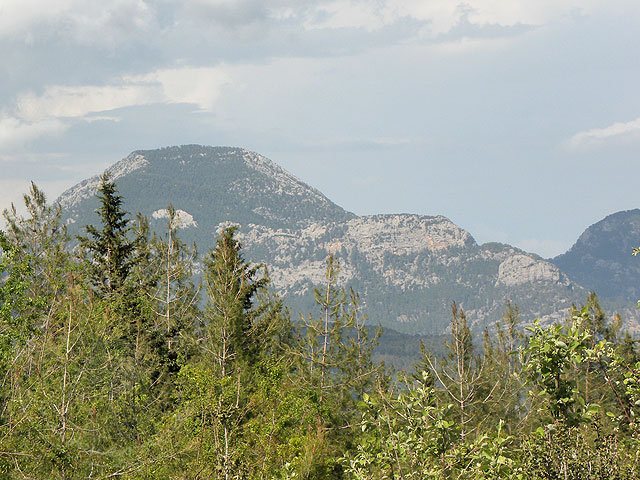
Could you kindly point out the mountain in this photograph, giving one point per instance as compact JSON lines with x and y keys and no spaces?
{"x":601,"y":260}
{"x":407,"y":268}
{"x":209,"y":185}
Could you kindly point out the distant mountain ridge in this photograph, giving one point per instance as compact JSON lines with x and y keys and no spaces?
{"x":410,"y":268}
{"x":601,"y":257}
{"x":407,"y":268}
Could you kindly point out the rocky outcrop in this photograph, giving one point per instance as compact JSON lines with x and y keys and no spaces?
{"x":86,"y":189}
{"x":410,"y":268}
{"x":182,"y":219}
{"x":520,"y":269}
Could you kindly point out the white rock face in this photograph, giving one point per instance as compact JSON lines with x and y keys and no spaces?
{"x":283,"y":180}
{"x":89,"y":187}
{"x":404,"y":234}
{"x":313,"y":271}
{"x":520,"y":269}
{"x":373,"y":238}
{"x":182,"y":218}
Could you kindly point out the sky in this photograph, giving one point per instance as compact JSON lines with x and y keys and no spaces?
{"x":519,"y":120}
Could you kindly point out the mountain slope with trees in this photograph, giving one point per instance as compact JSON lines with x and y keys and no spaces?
{"x":599,"y":260}
{"x":209,"y":185}
{"x":407,"y":268}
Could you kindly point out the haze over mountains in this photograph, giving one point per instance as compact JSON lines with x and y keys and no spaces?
{"x":407,"y":268}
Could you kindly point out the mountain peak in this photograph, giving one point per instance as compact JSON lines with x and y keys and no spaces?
{"x":212,"y":185}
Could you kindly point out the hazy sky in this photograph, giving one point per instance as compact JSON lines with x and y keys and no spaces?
{"x":517,"y":119}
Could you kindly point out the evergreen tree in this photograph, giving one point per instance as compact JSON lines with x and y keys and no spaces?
{"x":231,"y":320}
{"x":461,"y":373}
{"x":165,"y":278}
{"x":502,"y":391}
{"x":175,"y":294}
{"x":110,"y":251}
{"x":220,"y":385}
{"x":120,"y":260}
{"x":336,"y":370}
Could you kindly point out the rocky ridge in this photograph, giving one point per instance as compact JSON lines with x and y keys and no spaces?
{"x":407,"y":268}
{"x":410,"y":268}
{"x":86,"y":189}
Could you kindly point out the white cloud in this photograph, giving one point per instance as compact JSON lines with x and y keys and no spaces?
{"x":438,"y":16}
{"x":197,"y":86}
{"x":621,"y":132}
{"x":51,"y":112}
{"x":352,"y":14}
{"x":91,"y":22}
{"x":73,"y":102}
{"x":15,"y":132}
{"x":442,"y":15}
{"x":81,"y":20}
{"x":101,"y":118}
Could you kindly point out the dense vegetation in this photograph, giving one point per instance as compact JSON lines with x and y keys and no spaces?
{"x":115,"y":363}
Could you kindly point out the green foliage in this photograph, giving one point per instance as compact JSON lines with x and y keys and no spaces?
{"x":552,"y":355}
{"x":232,"y":322}
{"x":579,"y":452}
{"x":112,"y":367}
{"x":40,"y":240}
{"x":636,"y":251}
{"x":234,"y":383}
{"x":174,"y":294}
{"x":335,"y":371}
{"x":109,"y":249}
{"x":461,"y":374}
{"x":404,"y":435}
{"x":410,"y":436}
{"x":15,"y":326}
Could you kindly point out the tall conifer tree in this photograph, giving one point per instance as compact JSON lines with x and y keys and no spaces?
{"x":110,"y":250}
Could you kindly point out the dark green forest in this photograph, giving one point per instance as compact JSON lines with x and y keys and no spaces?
{"x":127,"y":354}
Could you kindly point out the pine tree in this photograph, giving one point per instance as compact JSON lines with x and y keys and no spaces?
{"x":217,"y":383}
{"x":336,"y":368}
{"x":111,"y":252}
{"x":231,"y":319}
{"x":173,"y":292}
{"x":461,"y":373}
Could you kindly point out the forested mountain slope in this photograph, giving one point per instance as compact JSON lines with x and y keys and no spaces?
{"x":408,"y":269}
{"x":600,"y":258}
{"x":208,"y":185}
